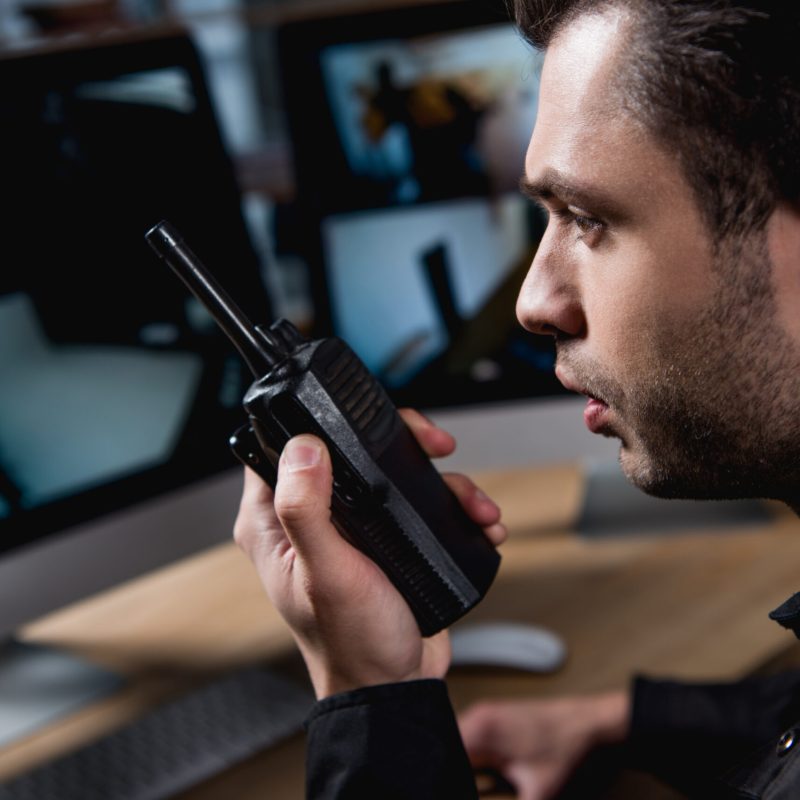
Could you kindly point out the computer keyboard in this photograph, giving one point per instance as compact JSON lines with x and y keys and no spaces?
{"x":177,"y":745}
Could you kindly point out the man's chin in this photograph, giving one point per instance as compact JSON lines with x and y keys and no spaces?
{"x":648,"y":473}
{"x":659,"y":480}
{"x":645,"y":475}
{"x":609,"y":433}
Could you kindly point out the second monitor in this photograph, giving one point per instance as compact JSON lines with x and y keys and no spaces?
{"x":409,"y":129}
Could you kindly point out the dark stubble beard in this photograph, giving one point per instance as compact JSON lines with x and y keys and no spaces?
{"x":716,"y":414}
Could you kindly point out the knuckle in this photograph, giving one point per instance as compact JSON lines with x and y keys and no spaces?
{"x":458,"y":479}
{"x":295,"y":508}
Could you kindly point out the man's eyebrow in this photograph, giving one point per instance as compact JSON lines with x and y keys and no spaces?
{"x":535,"y":190}
{"x":552,"y":184}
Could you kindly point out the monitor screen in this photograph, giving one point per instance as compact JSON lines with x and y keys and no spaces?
{"x":432,"y":116}
{"x":117,"y":386}
{"x":409,"y":137}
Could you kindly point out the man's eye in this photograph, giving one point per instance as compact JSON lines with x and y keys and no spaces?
{"x":590,"y":228}
{"x":586,"y":224}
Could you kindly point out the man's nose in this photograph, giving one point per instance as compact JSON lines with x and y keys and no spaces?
{"x":549,"y":301}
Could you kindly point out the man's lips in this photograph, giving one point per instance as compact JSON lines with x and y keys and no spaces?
{"x":573,"y":386}
{"x":596,"y":413}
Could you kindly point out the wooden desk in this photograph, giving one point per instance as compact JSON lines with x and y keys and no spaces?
{"x":690,"y":605}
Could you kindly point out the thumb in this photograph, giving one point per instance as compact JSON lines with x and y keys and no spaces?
{"x":303,"y":501}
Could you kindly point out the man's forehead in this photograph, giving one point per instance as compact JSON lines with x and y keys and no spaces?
{"x":582,"y":63}
{"x":583,"y":134}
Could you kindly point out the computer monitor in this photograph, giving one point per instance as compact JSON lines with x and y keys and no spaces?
{"x":409,"y":130}
{"x":119,"y":392}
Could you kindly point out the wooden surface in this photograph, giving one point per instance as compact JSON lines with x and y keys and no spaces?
{"x":692,"y":604}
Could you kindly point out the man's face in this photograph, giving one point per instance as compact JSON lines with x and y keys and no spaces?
{"x":678,"y":344}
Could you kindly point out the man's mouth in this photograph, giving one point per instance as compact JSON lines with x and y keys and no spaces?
{"x":597,"y":412}
{"x":596,"y":415}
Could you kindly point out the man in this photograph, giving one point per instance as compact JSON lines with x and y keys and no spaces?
{"x":667,"y":155}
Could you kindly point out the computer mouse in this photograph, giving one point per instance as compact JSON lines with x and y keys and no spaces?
{"x":507,"y":644}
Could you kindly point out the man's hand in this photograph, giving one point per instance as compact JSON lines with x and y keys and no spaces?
{"x":537,"y":744}
{"x":352,"y":626}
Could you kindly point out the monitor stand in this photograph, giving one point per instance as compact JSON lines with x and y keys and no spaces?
{"x":40,"y":684}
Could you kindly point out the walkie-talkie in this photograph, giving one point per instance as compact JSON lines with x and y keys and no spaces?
{"x":388,"y":498}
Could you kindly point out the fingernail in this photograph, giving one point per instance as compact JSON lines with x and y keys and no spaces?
{"x":482,"y":497}
{"x":300,"y":455}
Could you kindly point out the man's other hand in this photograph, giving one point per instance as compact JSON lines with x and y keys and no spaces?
{"x":537,"y":744}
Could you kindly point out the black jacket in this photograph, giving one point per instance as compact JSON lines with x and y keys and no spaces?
{"x":400,"y":741}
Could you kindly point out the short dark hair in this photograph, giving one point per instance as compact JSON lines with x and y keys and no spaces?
{"x":718,"y":82}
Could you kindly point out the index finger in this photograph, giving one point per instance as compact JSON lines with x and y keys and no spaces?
{"x":436,"y":442}
{"x":257,"y":524}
